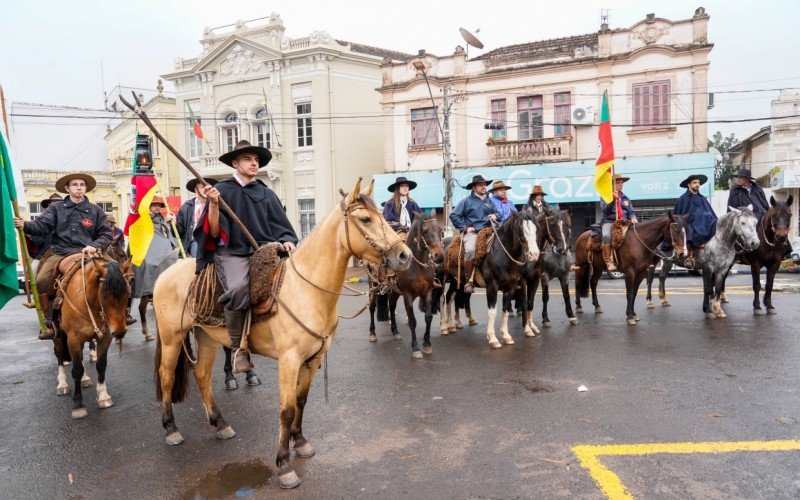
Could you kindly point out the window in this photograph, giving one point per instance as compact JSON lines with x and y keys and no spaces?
{"x":563,"y":113}
{"x":195,"y":143}
{"x":107,"y":206}
{"x":651,"y":104}
{"x":304,"y":125}
{"x":230,"y":131}
{"x":424,"y":128}
{"x":307,"y":217}
{"x":262,"y":134}
{"x":34,"y":207}
{"x":499,"y":118}
{"x":529,"y":113}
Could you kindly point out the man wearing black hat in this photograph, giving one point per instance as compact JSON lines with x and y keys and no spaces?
{"x":747,"y":192}
{"x":221,"y":241}
{"x":38,"y":245}
{"x":472,"y":214}
{"x":701,"y":221}
{"x":189,"y":214}
{"x":400,"y":210}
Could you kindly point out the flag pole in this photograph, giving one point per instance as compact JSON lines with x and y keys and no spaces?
{"x":26,"y":258}
{"x":172,"y":222}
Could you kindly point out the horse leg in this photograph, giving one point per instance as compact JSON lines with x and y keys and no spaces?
{"x":78,"y":371}
{"x":85,"y":380}
{"x":408,"y":302}
{"x":206,"y":352}
{"x":662,"y":283}
{"x":596,"y":272}
{"x":630,"y":294}
{"x":545,"y":299}
{"x":372,"y":307}
{"x":578,"y":279}
{"x":93,"y":351}
{"x":444,"y":309}
{"x":143,"y":315}
{"x":755,"y":273}
{"x":308,"y":370}
{"x":771,"y":271}
{"x":491,"y":302}
{"x":252,"y":378}
{"x":718,"y":278}
{"x":288,"y":378}
{"x":508,"y":306}
{"x":564,"y":279}
{"x":468,"y":309}
{"x":230,"y":380}
{"x":62,"y":357}
{"x":707,"y":292}
{"x":171,"y":380}
{"x":530,"y":327}
{"x":651,"y":271}
{"x":426,"y":340}
{"x":392,"y":316}
{"x":103,"y":399}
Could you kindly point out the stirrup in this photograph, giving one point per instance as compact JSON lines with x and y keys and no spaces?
{"x":611,"y":266}
{"x":235,"y":356}
{"x":689,"y":263}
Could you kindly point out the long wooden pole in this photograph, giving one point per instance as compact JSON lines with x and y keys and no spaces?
{"x":26,"y":258}
{"x":139,"y":111}
{"x":172,"y":222}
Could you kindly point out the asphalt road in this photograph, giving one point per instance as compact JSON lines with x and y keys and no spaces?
{"x":465,"y":422}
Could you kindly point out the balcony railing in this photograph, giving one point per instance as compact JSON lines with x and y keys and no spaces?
{"x":531,"y":150}
{"x":49,"y":177}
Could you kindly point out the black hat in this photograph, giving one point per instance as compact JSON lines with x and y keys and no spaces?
{"x":745,"y":172}
{"x":402,"y":180}
{"x":242,"y":147}
{"x":193,"y":183}
{"x":476,"y":179}
{"x":695,"y":177}
{"x":53,"y":197}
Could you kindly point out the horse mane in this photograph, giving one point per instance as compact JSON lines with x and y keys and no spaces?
{"x":114,"y":285}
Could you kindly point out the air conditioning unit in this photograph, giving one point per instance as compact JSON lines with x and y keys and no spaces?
{"x":583,"y":116}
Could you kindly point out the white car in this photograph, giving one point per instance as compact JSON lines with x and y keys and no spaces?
{"x":796,"y":250}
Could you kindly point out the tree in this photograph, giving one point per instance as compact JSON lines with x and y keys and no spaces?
{"x":724,"y":170}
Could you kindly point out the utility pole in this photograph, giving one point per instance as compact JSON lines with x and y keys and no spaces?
{"x":448,"y":99}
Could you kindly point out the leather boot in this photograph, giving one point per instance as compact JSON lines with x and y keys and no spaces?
{"x":234,"y":320}
{"x":609,"y":257}
{"x":688,"y":262}
{"x":469,"y":269}
{"x":50,"y":332}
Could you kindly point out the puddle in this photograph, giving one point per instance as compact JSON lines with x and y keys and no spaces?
{"x":534,"y":385}
{"x":237,"y":480}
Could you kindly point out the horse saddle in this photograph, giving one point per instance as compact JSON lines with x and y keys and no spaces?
{"x":618,"y":231}
{"x":456,"y":256}
{"x":63,"y":273}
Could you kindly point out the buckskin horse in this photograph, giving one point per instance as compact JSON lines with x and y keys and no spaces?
{"x":634,"y":257}
{"x":311,"y":287}
{"x":93,"y":309}
{"x":514,"y":244}
{"x":425,"y":241}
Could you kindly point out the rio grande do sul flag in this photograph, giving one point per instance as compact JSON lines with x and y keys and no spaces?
{"x":8,"y":236}
{"x":604,"y":168}
{"x":139,"y":225}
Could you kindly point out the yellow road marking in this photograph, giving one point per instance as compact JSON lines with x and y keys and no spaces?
{"x":612,"y":486}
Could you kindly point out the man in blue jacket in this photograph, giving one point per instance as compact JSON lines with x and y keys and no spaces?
{"x":472,"y":214}
{"x":502,"y":204}
{"x":619,"y":208}
{"x":701,"y":221}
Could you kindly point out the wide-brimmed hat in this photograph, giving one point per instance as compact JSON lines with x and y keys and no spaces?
{"x":694,"y":177}
{"x":53,"y":197}
{"x":61,"y":184}
{"x":193,"y":183}
{"x":537,"y":189}
{"x":402,"y":180}
{"x":158,"y":200}
{"x":476,"y":179}
{"x":617,"y":177}
{"x":111,"y":218}
{"x":745,"y":172}
{"x":499,"y":185}
{"x":242,"y":147}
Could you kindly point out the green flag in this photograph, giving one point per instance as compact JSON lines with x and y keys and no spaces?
{"x":9,"y":287}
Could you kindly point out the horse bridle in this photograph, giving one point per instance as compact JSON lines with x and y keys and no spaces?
{"x":770,"y":213}
{"x":500,"y":242}
{"x":657,"y":252}
{"x":90,"y":316}
{"x":427,"y":248}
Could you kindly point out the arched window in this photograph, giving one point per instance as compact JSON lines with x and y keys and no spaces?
{"x":230,"y":131}
{"x":261,"y":131}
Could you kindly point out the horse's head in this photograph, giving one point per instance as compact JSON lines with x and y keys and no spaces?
{"x":111,"y":292}
{"x":367,"y":234}
{"x":525,"y":231}
{"x":745,"y":227}
{"x":677,"y":233}
{"x":779,"y":218}
{"x":556,"y":228}
{"x":429,"y":235}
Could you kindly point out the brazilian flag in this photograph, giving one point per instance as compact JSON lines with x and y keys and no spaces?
{"x":9,"y":287}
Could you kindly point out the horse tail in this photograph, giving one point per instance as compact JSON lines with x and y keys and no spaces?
{"x":382,"y":303}
{"x":180,"y":385}
{"x":582,"y":278}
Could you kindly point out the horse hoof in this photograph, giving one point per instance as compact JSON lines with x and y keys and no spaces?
{"x":711,"y":316}
{"x":495,"y":344}
{"x":598,"y":310}
{"x":105,"y":403}
{"x":148,"y":338}
{"x":573,"y":321}
{"x":579,"y":310}
{"x":636,"y":318}
{"x":79,"y":413}
{"x":529,"y":333}
{"x":373,"y":337}
{"x":771,"y":311}
{"x":416,"y":354}
{"x":86,"y":383}
{"x":546,"y":324}
{"x":427,"y":350}
{"x":665,"y":303}
{"x":288,"y":480}
{"x":174,"y":438}
{"x":397,"y":336}
{"x":305,"y":450}
{"x":632,"y":321}
{"x":444,"y":331}
{"x":226,"y":433}
{"x":473,"y":322}
{"x":724,"y":301}
{"x":722,"y":315}
{"x":459,"y":326}
{"x":62,"y":391}
{"x":508,"y":341}
{"x":758,"y":312}
{"x":253,"y":381}
{"x":650,"y":305}
{"x":231,"y":384}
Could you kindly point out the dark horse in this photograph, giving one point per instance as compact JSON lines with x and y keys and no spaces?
{"x":634,"y":257}
{"x":514,"y":244}
{"x":425,"y":241}
{"x":555,"y":240}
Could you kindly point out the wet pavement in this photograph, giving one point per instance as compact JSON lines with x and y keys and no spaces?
{"x":465,"y":422}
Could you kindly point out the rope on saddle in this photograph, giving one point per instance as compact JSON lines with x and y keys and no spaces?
{"x":203,"y":297}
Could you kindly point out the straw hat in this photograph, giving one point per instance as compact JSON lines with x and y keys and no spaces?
{"x":499,"y":185}
{"x":537,"y":189}
{"x":61,"y":184}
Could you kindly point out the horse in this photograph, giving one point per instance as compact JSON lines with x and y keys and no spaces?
{"x":634,"y":257}
{"x":555,"y":261}
{"x":461,"y":300}
{"x":93,"y":309}
{"x":311,"y":287}
{"x":515,"y":243}
{"x":418,"y":281}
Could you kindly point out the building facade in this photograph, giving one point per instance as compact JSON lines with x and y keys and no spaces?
{"x":40,"y":185}
{"x":322,"y":115}
{"x":543,"y":100}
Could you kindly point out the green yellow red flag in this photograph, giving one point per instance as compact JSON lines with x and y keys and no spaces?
{"x":139,"y":225}
{"x":604,"y":168}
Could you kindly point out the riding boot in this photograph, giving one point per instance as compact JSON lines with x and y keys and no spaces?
{"x":688,"y":262}
{"x":129,"y":320}
{"x":50,"y":332}
{"x":234,"y":320}
{"x":609,"y":257}
{"x":469,"y":271}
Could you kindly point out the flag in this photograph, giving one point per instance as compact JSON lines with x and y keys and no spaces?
{"x":198,"y":131}
{"x":139,"y":225}
{"x":604,"y":168}
{"x":9,"y":286}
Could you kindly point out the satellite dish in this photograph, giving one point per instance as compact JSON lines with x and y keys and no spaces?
{"x":470,"y":38}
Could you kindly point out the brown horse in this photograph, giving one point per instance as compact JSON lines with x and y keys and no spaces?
{"x":311,"y":288}
{"x":93,"y":309}
{"x":425,"y":241}
{"x":634,"y":255}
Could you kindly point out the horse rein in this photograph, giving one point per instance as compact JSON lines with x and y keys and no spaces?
{"x":768,"y":216}
{"x":499,"y":242}
{"x":90,"y":316}
{"x":658,"y":253}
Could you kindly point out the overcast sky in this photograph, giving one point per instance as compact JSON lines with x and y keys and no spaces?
{"x":52,"y":50}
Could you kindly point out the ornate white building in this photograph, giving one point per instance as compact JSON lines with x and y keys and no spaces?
{"x":324,"y":122}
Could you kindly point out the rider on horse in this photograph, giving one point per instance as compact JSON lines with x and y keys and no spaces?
{"x":502,"y":204}
{"x":536,"y":203}
{"x":472,"y":214}
{"x":221,"y":241}
{"x":748,"y":192}
{"x":620,"y":208}
{"x":189,"y":215}
{"x":118,"y":239}
{"x":162,"y":244}
{"x":76,"y":225}
{"x":701,"y":221}
{"x":400,"y":210}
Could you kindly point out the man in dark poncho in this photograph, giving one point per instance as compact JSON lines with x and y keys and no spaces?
{"x":222,"y":241}
{"x":701,"y":221}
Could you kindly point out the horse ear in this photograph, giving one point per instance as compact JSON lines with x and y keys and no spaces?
{"x":734,"y":210}
{"x":100,"y":267}
{"x":671,"y":217}
{"x":368,"y":190}
{"x":352,"y":196}
{"x":789,"y":201}
{"x":772,"y":201}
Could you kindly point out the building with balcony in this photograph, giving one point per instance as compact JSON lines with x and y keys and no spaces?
{"x":40,"y":185}
{"x":543,"y":101}
{"x":310,"y":100}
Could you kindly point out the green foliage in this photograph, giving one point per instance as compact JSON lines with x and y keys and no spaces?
{"x":724,"y":170}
